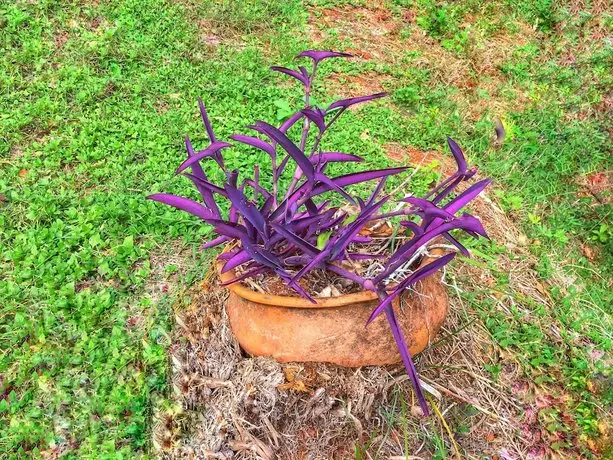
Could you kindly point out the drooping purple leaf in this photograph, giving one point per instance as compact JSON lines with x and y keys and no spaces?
{"x":292,"y":149}
{"x":320,"y":55}
{"x":416,"y":276}
{"x":458,"y":155}
{"x":184,"y":204}
{"x":255,"y":142}
{"x":345,"y":103}
{"x":292,"y":73}
{"x":215,"y":242}
{"x":403,"y":349}
{"x":332,"y":157}
{"x":247,"y":274}
{"x":237,"y":259}
{"x":317,"y":116}
{"x":211,"y":151}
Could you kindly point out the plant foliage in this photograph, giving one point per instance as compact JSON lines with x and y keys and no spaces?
{"x":279,"y":231}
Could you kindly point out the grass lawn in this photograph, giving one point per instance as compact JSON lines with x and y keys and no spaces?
{"x":95,"y":98}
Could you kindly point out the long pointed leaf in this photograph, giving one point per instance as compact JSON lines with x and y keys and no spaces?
{"x":292,"y":149}
{"x":210,"y":151}
{"x":184,"y":204}
{"x":255,"y":142}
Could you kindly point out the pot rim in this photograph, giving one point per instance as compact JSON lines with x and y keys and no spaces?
{"x":297,"y":302}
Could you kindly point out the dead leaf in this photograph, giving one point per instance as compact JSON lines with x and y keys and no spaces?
{"x":597,"y":179}
{"x":296,"y":385}
{"x":587,"y":251}
{"x":417,"y":411}
{"x":23,"y":173}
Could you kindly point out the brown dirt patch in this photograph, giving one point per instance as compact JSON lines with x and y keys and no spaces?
{"x":370,"y":82}
{"x":374,"y":34}
{"x":417,"y":157}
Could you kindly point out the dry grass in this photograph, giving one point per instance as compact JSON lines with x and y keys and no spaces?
{"x":235,"y":406}
{"x":375,"y":34}
{"x":256,"y":408}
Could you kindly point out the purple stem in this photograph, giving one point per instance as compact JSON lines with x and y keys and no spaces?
{"x":404,"y":353}
{"x":346,"y":274}
{"x":440,"y":186}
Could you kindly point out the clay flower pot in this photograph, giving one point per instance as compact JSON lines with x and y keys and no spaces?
{"x":332,"y":331}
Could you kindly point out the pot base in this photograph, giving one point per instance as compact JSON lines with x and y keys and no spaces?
{"x":334,"y":334}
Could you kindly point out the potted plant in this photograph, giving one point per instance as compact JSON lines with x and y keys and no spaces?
{"x":291,"y":235}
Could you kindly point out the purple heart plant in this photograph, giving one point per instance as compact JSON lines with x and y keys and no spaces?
{"x":278,"y":230}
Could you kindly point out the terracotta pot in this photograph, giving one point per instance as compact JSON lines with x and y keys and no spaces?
{"x":293,"y":329}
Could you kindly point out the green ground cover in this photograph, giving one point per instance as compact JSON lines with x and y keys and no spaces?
{"x":95,"y":99}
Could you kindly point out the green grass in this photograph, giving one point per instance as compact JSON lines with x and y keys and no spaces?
{"x":95,"y":99}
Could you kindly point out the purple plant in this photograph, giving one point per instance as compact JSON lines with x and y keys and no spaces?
{"x":278,"y":231}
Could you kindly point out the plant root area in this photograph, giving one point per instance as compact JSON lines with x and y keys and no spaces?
{"x":229,"y":405}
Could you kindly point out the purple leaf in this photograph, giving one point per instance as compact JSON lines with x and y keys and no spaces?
{"x":206,"y":184}
{"x":333,"y":186}
{"x":296,"y":260}
{"x":247,"y":274}
{"x":211,"y":151}
{"x":408,"y":249}
{"x":331,"y":157}
{"x":246,"y":209}
{"x":317,"y":116}
{"x":357,"y":178}
{"x":428,"y":211}
{"x":456,"y":243}
{"x":466,"y":197}
{"x":214,"y":242}
{"x":298,"y":155}
{"x":344,"y":103}
{"x":376,"y":191}
{"x":345,"y":238}
{"x":291,"y":121}
{"x":229,"y":229}
{"x":255,"y":142}
{"x":255,"y":186}
{"x":417,"y":275}
{"x":458,"y":155}
{"x":416,"y":229}
{"x":207,"y":122}
{"x":441,"y":195}
{"x":237,"y":259}
{"x":198,"y":173}
{"x":292,"y":73}
{"x":362,"y":256}
{"x":184,"y":204}
{"x":296,"y":240}
{"x":406,"y":357}
{"x":320,"y":55}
